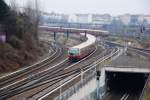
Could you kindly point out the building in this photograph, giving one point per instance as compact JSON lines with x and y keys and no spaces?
{"x":125,"y":19}
{"x":55,"y":17}
{"x":144,"y":19}
{"x":134,"y":20}
{"x":101,"y":19}
{"x":82,"y":18}
{"x":128,"y":19}
{"x":72,"y":18}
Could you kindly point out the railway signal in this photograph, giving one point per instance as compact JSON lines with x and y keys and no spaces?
{"x":67,"y":34}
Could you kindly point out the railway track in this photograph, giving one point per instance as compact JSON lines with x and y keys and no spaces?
{"x":113,"y":95}
{"x":140,"y":51}
{"x":84,"y":67}
{"x":29,"y":86}
{"x":57,"y":70}
{"x":75,"y":71}
{"x":125,"y":96}
{"x":42,"y":76}
{"x":47,"y":76}
{"x":12,"y":80}
{"x":12,"y":74}
{"x":31,"y":75}
{"x":8,"y":78}
{"x":137,"y":50}
{"x":44,"y":72}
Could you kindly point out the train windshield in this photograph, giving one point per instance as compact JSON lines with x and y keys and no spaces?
{"x":73,"y":51}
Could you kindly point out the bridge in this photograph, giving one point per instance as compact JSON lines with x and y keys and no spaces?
{"x":107,"y":80}
{"x":129,"y":69}
{"x":75,"y":30}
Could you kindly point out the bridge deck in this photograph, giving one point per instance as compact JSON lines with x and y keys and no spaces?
{"x":129,"y":69}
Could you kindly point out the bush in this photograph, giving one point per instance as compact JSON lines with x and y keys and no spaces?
{"x":22,"y":45}
{"x":5,"y":48}
{"x":16,"y":43}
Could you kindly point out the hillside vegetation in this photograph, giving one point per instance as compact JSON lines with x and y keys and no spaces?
{"x":22,"y":45}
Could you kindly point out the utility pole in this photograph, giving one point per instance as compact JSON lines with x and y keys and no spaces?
{"x":55,"y":36}
{"x":97,"y":81}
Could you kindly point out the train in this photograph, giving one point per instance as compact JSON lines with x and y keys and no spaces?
{"x":82,"y":50}
{"x":75,"y":30}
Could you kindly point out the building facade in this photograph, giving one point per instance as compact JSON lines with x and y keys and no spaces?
{"x":101,"y":19}
{"x":82,"y":18}
{"x":125,"y":19}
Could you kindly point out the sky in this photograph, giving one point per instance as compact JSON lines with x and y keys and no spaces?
{"x":113,"y":7}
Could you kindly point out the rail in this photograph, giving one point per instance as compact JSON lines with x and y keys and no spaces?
{"x":90,"y":67}
{"x":27,"y":68}
{"x":13,"y":86}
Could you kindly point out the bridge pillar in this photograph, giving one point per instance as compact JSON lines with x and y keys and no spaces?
{"x":85,"y":33}
{"x":55,"y":36}
{"x":67,"y":34}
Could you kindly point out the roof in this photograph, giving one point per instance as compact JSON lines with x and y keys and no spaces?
{"x":90,"y":40}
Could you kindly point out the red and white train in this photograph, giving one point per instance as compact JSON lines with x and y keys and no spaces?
{"x":82,"y":50}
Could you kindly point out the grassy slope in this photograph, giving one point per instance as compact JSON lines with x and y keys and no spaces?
{"x":22,"y":46}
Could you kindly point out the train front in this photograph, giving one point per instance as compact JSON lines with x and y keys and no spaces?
{"x":74,"y":54}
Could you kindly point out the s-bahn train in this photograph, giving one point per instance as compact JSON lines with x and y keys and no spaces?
{"x":82,"y":50}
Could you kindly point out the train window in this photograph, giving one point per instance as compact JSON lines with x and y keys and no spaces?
{"x":73,"y":51}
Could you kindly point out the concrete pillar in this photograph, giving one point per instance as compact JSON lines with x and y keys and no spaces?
{"x":85,"y":33}
{"x":67,"y":34}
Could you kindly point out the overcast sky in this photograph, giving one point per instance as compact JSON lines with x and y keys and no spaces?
{"x":113,"y":7}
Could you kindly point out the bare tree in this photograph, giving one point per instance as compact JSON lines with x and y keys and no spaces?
{"x":32,"y":10}
{"x":14,"y":5}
